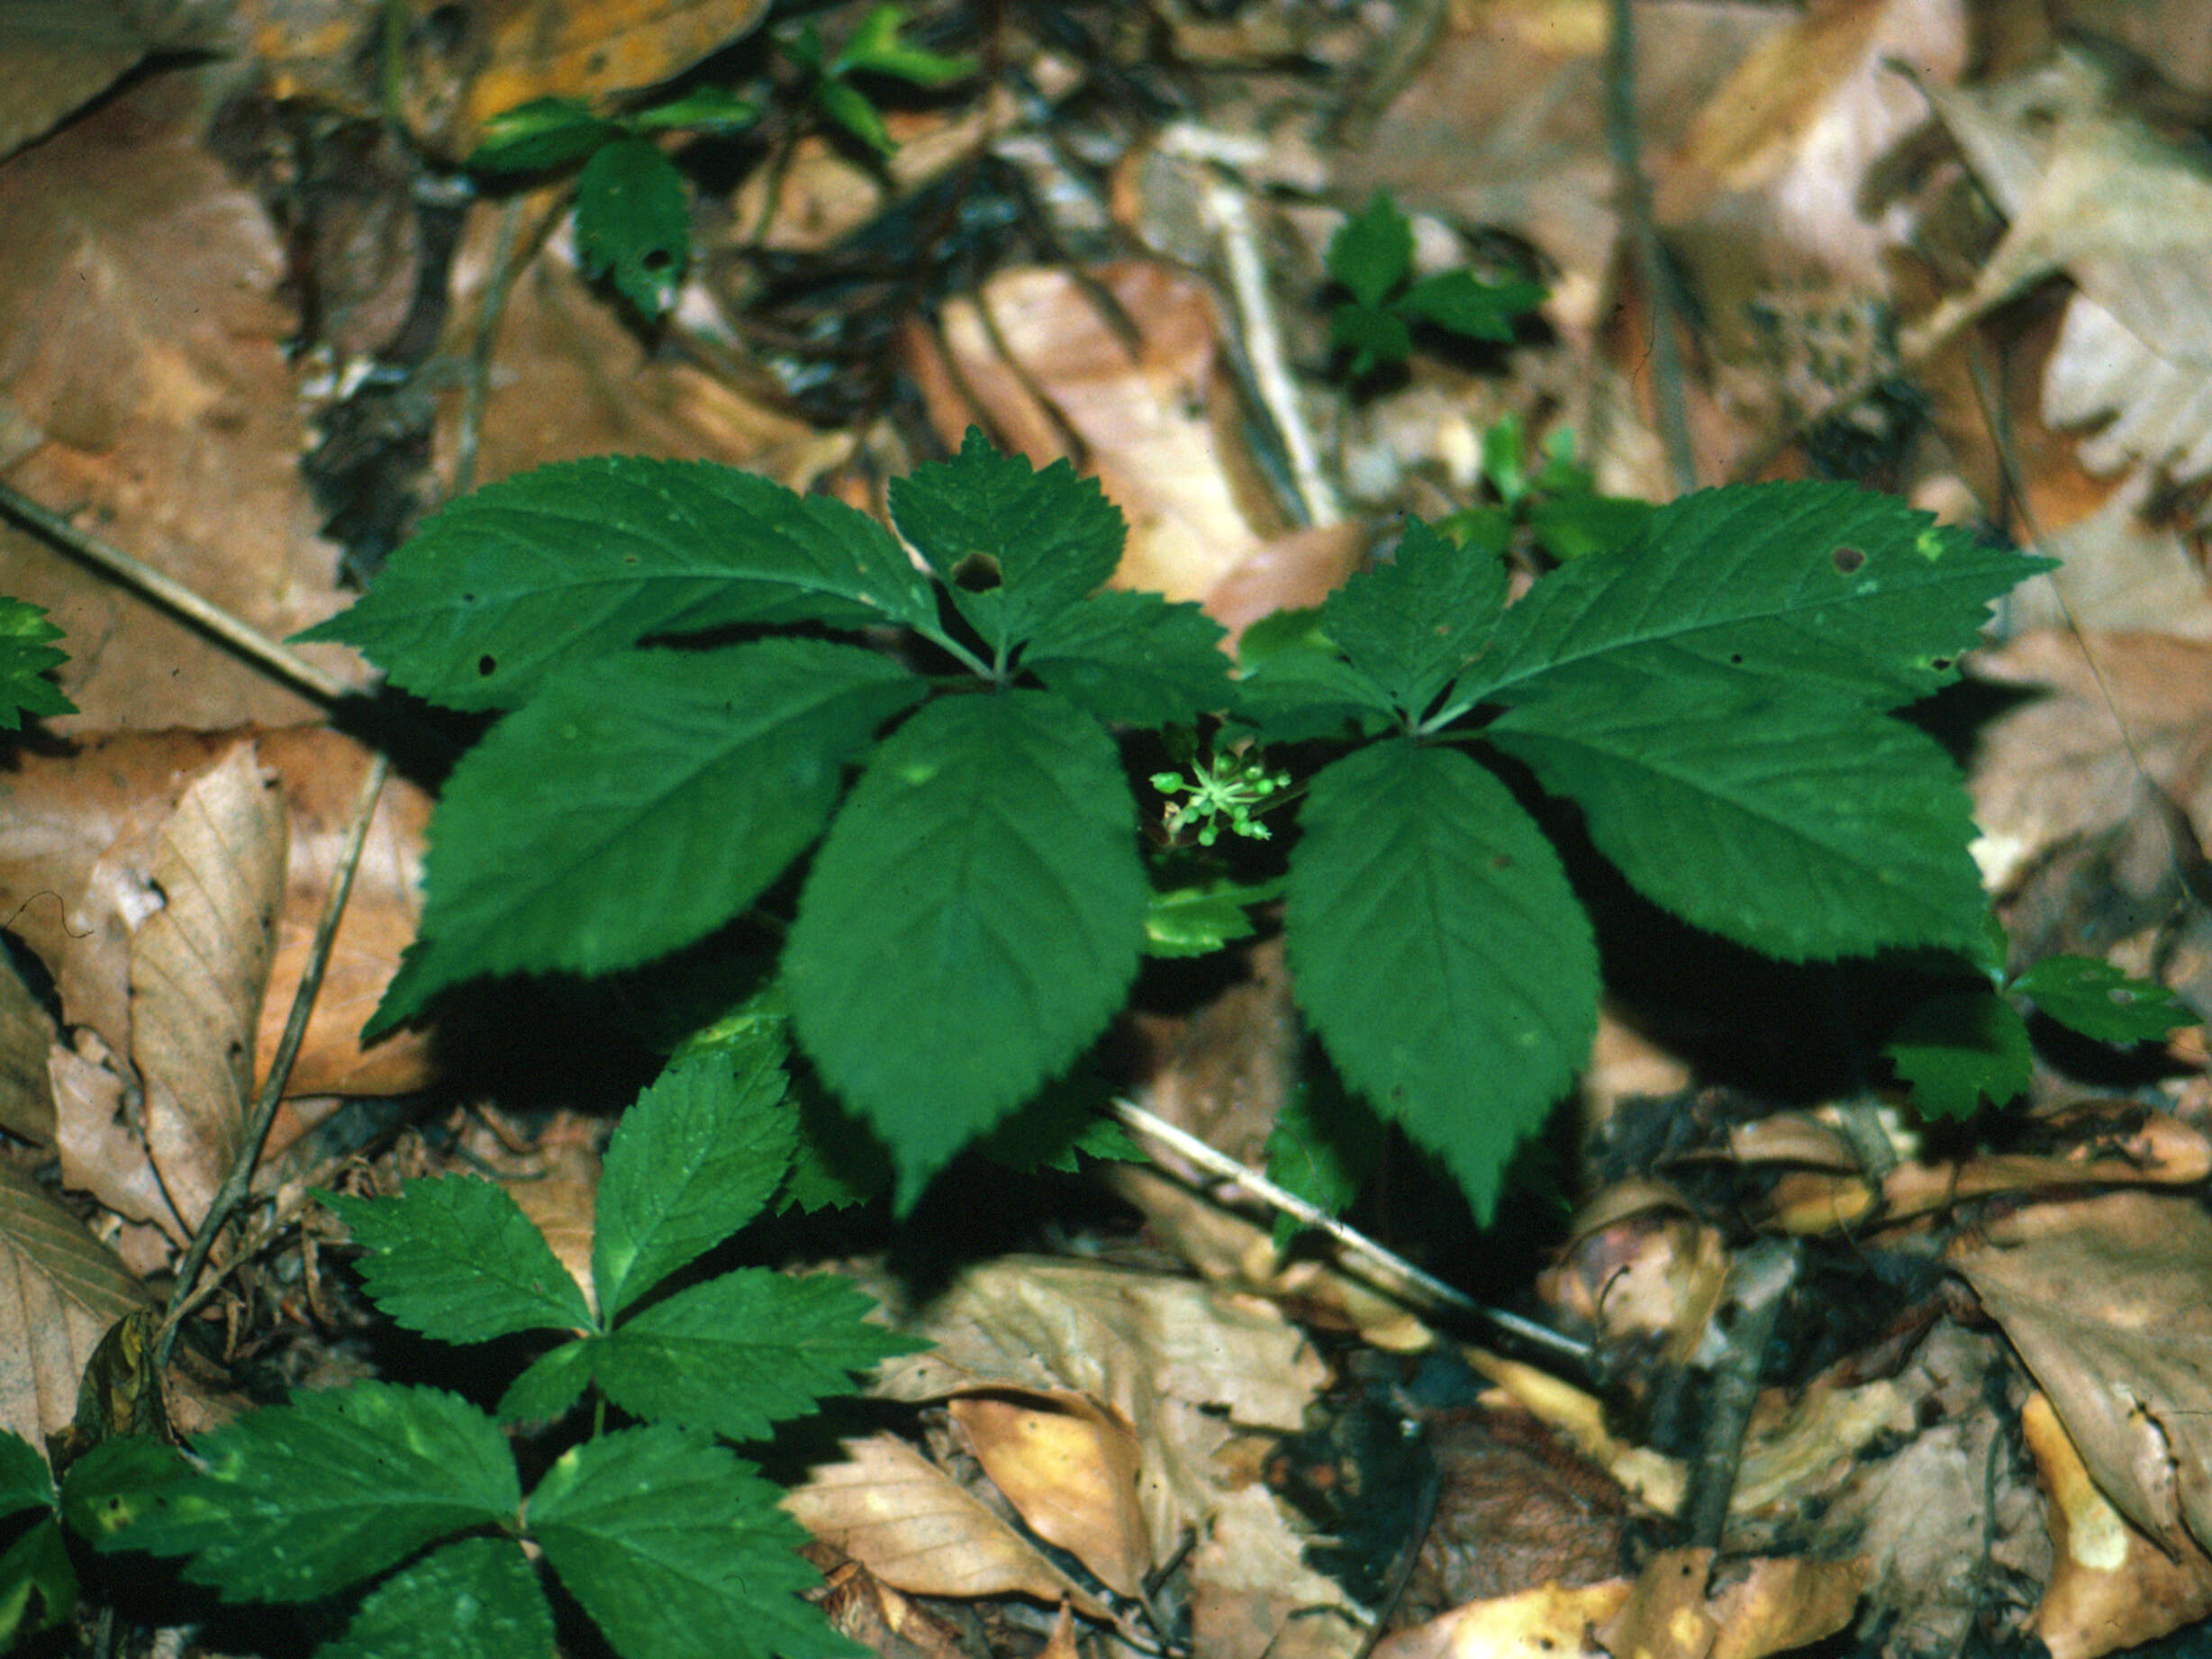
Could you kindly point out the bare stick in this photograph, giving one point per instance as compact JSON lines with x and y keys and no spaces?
{"x":1429,"y":1288}
{"x":228,"y":1197}
{"x":172,"y":595}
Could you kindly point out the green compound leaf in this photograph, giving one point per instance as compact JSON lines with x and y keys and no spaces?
{"x":1463,"y":304}
{"x":549,"y":1386}
{"x":1305,"y":690}
{"x":637,"y":805}
{"x":453,"y":1258}
{"x":1373,"y":251}
{"x":1132,"y":657}
{"x":112,"y":1484}
{"x":1957,"y":1051}
{"x":477,"y":1598}
{"x":301,"y":1500}
{"x":24,"y":1482}
{"x":1440,"y":953}
{"x":26,"y":653}
{"x":1817,"y":584}
{"x":37,"y":1583}
{"x":1048,"y":538}
{"x":851,"y":109}
{"x":1802,"y":825}
{"x":571,"y":563}
{"x":1372,"y":335}
{"x":876,"y":49}
{"x":676,"y":1549}
{"x":2086,"y":994}
{"x":1411,"y":626}
{"x":633,"y":222}
{"x":741,"y":1353}
{"x":545,"y":132}
{"x":695,"y":1159}
{"x":704,"y":109}
{"x":973,"y":920}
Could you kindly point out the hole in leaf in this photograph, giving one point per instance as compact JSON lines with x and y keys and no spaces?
{"x":657,"y":259}
{"x":1501,"y":861}
{"x":486,"y":666}
{"x":1848,"y":559}
{"x":1939,"y":663}
{"x":977,"y":572}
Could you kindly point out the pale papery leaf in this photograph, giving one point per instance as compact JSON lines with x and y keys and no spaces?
{"x":1072,"y":1470}
{"x":2108,"y":1302}
{"x":198,"y":968}
{"x":60,"y":1289}
{"x":911,"y":1525}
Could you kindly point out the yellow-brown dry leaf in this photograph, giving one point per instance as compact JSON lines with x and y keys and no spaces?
{"x":77,"y":832}
{"x":1071,"y":1470}
{"x":199,"y":966}
{"x":2109,"y":1300}
{"x":2110,"y":1586}
{"x":1785,"y":1603}
{"x":60,"y":1290}
{"x":911,"y":1525}
{"x":141,"y":333}
{"x":1169,"y":1357}
{"x":1549,"y":1623}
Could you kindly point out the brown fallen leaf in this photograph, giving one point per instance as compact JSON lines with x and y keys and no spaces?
{"x":913,"y":1526}
{"x":1070,"y":1469}
{"x":60,"y":1290}
{"x":1547,"y":1623}
{"x":199,"y":965}
{"x":2109,"y":1300}
{"x":2110,"y":1586}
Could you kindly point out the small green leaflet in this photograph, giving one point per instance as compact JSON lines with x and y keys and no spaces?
{"x":733,"y":1356}
{"x":2094,"y":997}
{"x":453,"y":1258}
{"x":1048,"y":538}
{"x":1440,"y":953}
{"x":637,"y":805}
{"x":1821,"y":585}
{"x":695,"y":1160}
{"x":1372,"y":251}
{"x":24,"y":1482}
{"x":677,"y":1550}
{"x":301,"y":1500}
{"x":1463,"y":304}
{"x":473,"y":1598}
{"x":539,"y":573}
{"x":543,"y":133}
{"x":1804,"y":826}
{"x":1957,"y":1050}
{"x":633,"y":222}
{"x":1197,"y":920}
{"x":971,"y":924}
{"x":1411,"y":626}
{"x":37,"y":1583}
{"x":26,"y":653}
{"x":1325,"y":1148}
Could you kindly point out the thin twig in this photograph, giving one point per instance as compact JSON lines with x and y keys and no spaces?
{"x":1426,"y":1286}
{"x":187,"y":1295}
{"x":172,"y":595}
{"x":477,"y":392}
{"x":1633,"y":203}
{"x":1758,"y":1285}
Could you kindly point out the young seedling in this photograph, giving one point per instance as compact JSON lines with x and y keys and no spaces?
{"x":1371,"y":258}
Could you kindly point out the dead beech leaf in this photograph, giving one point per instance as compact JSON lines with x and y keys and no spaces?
{"x":26,"y":1090}
{"x":199,"y":967}
{"x":2110,"y":1586}
{"x":1547,"y":1623}
{"x":1071,"y":1471}
{"x":140,"y":330}
{"x":60,"y":1290}
{"x":2108,"y":1302}
{"x":911,"y":1525}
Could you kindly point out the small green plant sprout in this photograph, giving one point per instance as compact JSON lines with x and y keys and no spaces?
{"x":633,"y":208}
{"x":1229,"y":788}
{"x":1958,"y":1049}
{"x":1371,"y":258}
{"x":1554,"y":508}
{"x":874,"y":48}
{"x":1714,"y":696}
{"x":670,"y":1542}
{"x":27,"y":657}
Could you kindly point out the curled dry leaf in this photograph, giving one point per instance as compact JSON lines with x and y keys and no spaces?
{"x":60,"y":1290}
{"x":911,"y":1525}
{"x":1549,"y":1623}
{"x":2109,"y":1300}
{"x":2110,"y":1586}
{"x":198,"y":968}
{"x":1070,"y":1469}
